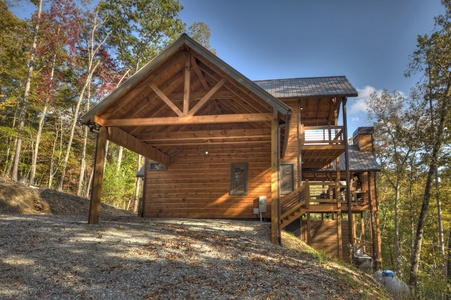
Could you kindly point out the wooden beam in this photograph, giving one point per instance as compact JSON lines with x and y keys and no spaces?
{"x":187,"y":87}
{"x":339,"y":235}
{"x":207,"y":97}
{"x":128,"y":141}
{"x":205,"y":134}
{"x":94,"y":207}
{"x":231,"y":118}
{"x":199,"y":73}
{"x":165,"y":99}
{"x":275,"y":238}
{"x":196,"y":143}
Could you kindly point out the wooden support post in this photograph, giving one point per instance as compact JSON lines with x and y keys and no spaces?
{"x":94,"y":208}
{"x":371,"y":207}
{"x":339,"y":235}
{"x":299,"y":140}
{"x":275,"y":238}
{"x":348,"y":176}
{"x":378,"y":229}
{"x":362,"y":229}
{"x":299,"y":144}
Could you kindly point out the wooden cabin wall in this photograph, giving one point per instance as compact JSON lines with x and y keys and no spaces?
{"x":198,"y":186}
{"x":292,"y":153}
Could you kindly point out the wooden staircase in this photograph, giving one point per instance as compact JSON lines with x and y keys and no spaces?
{"x":299,"y":202}
{"x":293,"y":206}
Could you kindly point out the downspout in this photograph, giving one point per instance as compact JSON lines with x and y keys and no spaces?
{"x":348,"y":175}
{"x":279,"y":204}
{"x":299,"y":144}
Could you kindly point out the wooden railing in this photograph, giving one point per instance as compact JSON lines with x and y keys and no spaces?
{"x":293,"y":199}
{"x":365,"y":246}
{"x":324,"y":192}
{"x":322,"y":135}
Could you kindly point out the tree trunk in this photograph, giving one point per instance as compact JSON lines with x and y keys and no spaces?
{"x":438,"y":140}
{"x":83,"y":152}
{"x":23,"y":110}
{"x":52,"y":159}
{"x":41,"y":126}
{"x":448,"y":275}
{"x":138,"y":183}
{"x":8,"y":162}
{"x":88,"y":188}
{"x":440,"y":222}
{"x":398,"y":257}
{"x":74,"y":124}
{"x":119,"y":158}
{"x":34,"y":159}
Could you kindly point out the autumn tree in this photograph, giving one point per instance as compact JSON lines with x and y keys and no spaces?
{"x":433,"y":60}
{"x":59,"y":27}
{"x":13,"y":59}
{"x":396,"y":131}
{"x":200,"y":32}
{"x":25,"y":99}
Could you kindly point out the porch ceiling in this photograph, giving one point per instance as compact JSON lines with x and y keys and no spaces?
{"x":187,"y":97}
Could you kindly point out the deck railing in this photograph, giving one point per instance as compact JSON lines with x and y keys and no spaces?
{"x":294,"y":198}
{"x":322,"y":135}
{"x":324,"y":192}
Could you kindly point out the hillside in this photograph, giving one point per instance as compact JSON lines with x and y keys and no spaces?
{"x":16,"y":198}
{"x":48,"y":251}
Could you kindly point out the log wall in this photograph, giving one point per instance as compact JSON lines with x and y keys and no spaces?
{"x":198,"y":186}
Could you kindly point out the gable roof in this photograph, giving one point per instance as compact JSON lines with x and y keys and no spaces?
{"x":182,"y":42}
{"x":312,"y":87}
{"x":187,"y":97}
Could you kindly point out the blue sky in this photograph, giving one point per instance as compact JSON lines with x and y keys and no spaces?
{"x":368,"y":41}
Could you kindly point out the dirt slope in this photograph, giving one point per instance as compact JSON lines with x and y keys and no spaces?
{"x":16,"y":198}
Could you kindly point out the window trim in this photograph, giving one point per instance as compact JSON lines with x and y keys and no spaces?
{"x":154,"y":166}
{"x":293,"y":167}
{"x":233,"y":188}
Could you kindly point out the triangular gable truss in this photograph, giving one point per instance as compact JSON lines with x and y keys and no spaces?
{"x":186,"y":97}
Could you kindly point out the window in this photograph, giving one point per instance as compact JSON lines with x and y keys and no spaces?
{"x":238,"y":180}
{"x":154,"y":166}
{"x":286,"y":178}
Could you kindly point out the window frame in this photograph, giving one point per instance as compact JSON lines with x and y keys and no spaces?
{"x":154,"y":166}
{"x":292,"y":179}
{"x":233,"y":187}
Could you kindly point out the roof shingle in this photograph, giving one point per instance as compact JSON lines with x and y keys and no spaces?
{"x":312,"y":87}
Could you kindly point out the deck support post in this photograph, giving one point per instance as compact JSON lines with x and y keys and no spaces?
{"x":378,"y":228}
{"x":339,"y":235}
{"x":94,"y":208}
{"x":299,"y":136}
{"x":348,"y":176}
{"x":275,"y":195}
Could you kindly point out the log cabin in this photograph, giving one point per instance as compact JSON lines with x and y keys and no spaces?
{"x":218,"y":145}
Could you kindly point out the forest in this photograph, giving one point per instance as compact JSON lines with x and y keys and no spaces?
{"x":63,"y":60}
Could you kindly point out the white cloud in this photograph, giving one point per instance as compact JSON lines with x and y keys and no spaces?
{"x":357,"y":105}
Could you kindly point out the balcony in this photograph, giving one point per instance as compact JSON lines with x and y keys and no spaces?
{"x":321,"y":145}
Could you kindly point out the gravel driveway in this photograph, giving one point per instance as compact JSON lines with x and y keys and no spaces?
{"x":62,"y":257}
